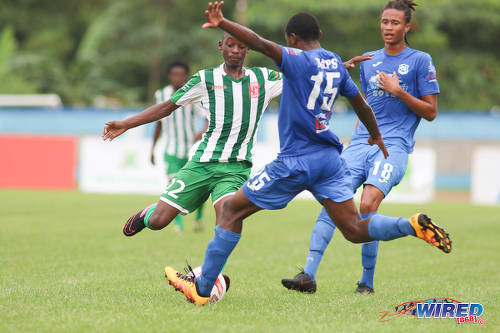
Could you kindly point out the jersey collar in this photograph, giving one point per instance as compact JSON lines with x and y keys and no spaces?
{"x":245,"y":73}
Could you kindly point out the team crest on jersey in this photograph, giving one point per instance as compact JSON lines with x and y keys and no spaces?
{"x":403,"y":69}
{"x":254,"y":89}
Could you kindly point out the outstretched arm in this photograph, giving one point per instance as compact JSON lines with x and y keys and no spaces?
{"x":243,"y":34}
{"x":153,"y":113}
{"x":351,"y":63}
{"x":365,"y":114}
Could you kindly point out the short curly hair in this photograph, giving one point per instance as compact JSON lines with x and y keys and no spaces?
{"x":304,"y":25}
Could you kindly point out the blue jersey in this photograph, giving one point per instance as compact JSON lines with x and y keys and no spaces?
{"x":396,"y":121}
{"x":312,"y":81}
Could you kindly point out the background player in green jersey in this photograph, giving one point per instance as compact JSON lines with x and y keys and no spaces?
{"x":234,"y":98}
{"x":180,"y":131}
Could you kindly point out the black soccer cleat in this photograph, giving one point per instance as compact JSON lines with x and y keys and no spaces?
{"x":301,"y":282}
{"x":364,"y":289}
{"x":134,"y":224}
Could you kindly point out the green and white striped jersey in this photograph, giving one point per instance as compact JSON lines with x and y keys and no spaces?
{"x":179,"y":127}
{"x":234,"y":108}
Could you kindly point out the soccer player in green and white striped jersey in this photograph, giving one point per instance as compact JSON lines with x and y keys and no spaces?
{"x":180,"y":131}
{"x":234,"y":98}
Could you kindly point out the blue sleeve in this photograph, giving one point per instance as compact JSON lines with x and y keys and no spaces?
{"x":362,"y":80}
{"x":348,"y":87}
{"x":291,"y":62}
{"x":426,"y":76}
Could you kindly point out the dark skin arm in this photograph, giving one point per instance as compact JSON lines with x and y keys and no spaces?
{"x":366,"y":116}
{"x":155,"y":139}
{"x":153,"y":113}
{"x":243,"y":34}
{"x":425,"y":107}
{"x":350,"y":64}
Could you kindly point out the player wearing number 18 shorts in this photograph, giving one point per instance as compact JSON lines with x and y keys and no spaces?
{"x":309,"y":156}
{"x":401,"y":87}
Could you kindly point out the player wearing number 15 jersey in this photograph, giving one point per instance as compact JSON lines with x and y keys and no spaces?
{"x":400,"y":85}
{"x":310,"y":153}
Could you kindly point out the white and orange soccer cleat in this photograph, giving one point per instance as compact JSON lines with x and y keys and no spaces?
{"x":186,"y":285}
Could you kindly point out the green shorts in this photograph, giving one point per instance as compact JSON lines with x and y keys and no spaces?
{"x":173,"y":164}
{"x":192,"y":185}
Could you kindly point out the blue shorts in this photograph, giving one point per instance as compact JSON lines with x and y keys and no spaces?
{"x":323,"y":173}
{"x":367,"y":165}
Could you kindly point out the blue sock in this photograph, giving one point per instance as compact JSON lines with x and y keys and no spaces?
{"x":387,"y":228}
{"x":321,"y":235}
{"x":368,"y":258}
{"x":218,"y":250}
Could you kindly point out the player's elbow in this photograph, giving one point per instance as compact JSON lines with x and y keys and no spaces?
{"x":431,"y":115}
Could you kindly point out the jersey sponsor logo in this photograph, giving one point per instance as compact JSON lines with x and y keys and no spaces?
{"x":219,"y":87}
{"x":326,"y":64}
{"x":376,"y":64}
{"x":321,"y":121}
{"x":376,"y":91}
{"x":373,"y":81}
{"x":254,"y":89}
{"x":403,"y":69}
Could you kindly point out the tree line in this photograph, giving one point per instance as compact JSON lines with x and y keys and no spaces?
{"x":110,"y":52}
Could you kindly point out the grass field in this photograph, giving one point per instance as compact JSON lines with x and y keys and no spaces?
{"x":65,"y":266}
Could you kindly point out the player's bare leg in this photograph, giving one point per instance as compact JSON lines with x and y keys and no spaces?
{"x":234,"y":211}
{"x":156,"y":216}
{"x":347,"y":219}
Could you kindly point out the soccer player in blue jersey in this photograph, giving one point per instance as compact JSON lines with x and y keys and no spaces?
{"x":309,"y":156}
{"x":401,"y":87}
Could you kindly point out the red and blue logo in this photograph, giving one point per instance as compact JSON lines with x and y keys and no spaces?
{"x":439,"y":308}
{"x":462,"y":312}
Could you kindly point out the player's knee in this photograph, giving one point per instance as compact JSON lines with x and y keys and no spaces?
{"x":368,"y":206}
{"x":227,"y":207}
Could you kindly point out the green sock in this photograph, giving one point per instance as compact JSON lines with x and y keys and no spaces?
{"x":178,"y":222}
{"x":150,"y":209}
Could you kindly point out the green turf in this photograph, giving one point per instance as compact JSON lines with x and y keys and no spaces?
{"x":65,"y":266}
